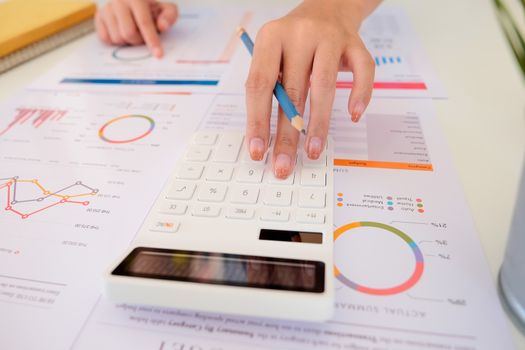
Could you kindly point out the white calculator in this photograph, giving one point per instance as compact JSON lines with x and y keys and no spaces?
{"x":225,"y":235}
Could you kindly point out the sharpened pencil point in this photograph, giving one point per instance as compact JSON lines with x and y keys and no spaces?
{"x":298,"y":123}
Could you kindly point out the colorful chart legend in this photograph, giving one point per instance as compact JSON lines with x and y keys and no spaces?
{"x":384,"y":202}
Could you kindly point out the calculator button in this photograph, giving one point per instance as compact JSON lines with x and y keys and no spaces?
{"x":164,"y":225}
{"x":310,"y":217}
{"x":198,"y":153}
{"x":313,"y":177}
{"x":219,"y":172}
{"x":250,"y":174}
{"x":173,"y":208}
{"x":276,"y":181}
{"x":212,"y":193}
{"x":206,"y":210}
{"x":190,"y":171}
{"x":278,"y":196}
{"x":205,"y":138}
{"x":274,"y":214}
{"x":312,"y":198}
{"x":181,"y":190}
{"x":228,"y":149}
{"x":244,"y":194}
{"x":236,"y":212}
{"x":315,"y":163}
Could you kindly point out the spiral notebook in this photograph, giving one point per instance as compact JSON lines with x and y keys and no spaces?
{"x":29,"y":28}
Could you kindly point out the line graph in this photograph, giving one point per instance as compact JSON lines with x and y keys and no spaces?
{"x":226,"y":53}
{"x":38,"y":116}
{"x":39,"y":197}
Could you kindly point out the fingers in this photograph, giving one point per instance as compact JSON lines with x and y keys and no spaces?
{"x":363,"y":69}
{"x":101,"y":29}
{"x":297,"y":65}
{"x":126,"y":24}
{"x":167,"y":16}
{"x":110,"y":22}
{"x":322,"y":92}
{"x":144,"y":20}
{"x":264,"y":70}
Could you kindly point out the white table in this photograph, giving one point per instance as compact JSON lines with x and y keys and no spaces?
{"x":483,"y":119}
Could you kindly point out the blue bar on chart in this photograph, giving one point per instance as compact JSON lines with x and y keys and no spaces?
{"x":379,"y":60}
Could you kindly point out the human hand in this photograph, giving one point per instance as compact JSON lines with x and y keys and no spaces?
{"x":306,"y":48}
{"x":135,"y":22}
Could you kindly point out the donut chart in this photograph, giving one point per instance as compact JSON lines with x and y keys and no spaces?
{"x":131,"y":53}
{"x":407,"y":284}
{"x":102,"y":132}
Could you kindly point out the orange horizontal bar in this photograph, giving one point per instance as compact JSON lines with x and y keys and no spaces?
{"x":385,"y":165}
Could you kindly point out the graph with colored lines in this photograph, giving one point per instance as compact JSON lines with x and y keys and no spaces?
{"x":27,"y":197}
{"x":33,"y":117}
{"x":217,"y":51}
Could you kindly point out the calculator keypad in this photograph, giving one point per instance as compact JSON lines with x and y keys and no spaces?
{"x":217,"y":178}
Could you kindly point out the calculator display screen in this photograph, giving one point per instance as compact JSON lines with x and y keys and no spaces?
{"x":224,"y":269}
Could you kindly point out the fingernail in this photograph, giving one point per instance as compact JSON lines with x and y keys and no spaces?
{"x":282,"y":166}
{"x":256,"y":148}
{"x":157,"y":52}
{"x":163,"y":24}
{"x":358,"y":111}
{"x":314,"y":147}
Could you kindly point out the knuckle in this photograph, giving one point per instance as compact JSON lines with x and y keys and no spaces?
{"x":296,"y":95}
{"x":368,"y":61}
{"x":143,"y":21}
{"x":323,"y":80}
{"x":305,"y":23}
{"x":130,"y":34}
{"x":258,"y":82}
{"x":268,"y":28}
{"x":285,"y":140}
{"x":255,"y":124}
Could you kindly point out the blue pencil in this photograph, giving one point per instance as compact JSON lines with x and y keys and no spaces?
{"x":286,"y":104}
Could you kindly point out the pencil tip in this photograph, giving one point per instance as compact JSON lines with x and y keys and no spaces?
{"x":240,"y":30}
{"x":298,"y":123}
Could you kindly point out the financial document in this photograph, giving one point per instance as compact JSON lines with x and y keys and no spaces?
{"x":203,"y":53}
{"x":410,"y":272}
{"x":78,"y":174}
{"x":86,"y":149}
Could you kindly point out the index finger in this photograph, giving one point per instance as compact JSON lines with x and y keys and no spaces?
{"x":264,"y":71}
{"x":144,"y":19}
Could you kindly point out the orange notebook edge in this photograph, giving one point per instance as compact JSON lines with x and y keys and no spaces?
{"x":46,"y":30}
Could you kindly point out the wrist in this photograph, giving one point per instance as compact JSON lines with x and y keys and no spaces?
{"x":351,"y":12}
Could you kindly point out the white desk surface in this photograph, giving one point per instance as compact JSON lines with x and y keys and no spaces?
{"x":483,"y":120}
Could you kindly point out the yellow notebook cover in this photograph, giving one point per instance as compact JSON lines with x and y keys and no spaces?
{"x":23,"y":22}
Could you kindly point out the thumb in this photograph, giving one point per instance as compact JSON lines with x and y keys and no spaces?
{"x":167,"y":16}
